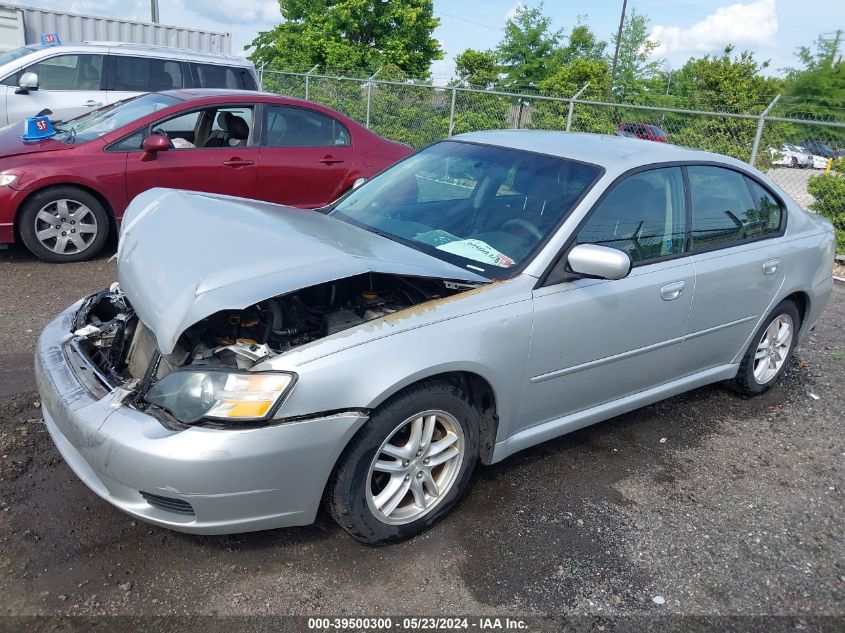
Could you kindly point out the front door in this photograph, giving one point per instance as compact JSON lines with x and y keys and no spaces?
{"x":68,"y":86}
{"x":597,"y":340}
{"x":305,"y":157}
{"x":211,"y":151}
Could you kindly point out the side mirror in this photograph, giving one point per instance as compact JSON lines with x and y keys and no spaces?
{"x":602,"y":262}
{"x":27,"y":82}
{"x":155,"y":143}
{"x":358,"y":182}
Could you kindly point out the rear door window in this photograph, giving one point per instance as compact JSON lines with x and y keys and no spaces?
{"x":723,"y":210}
{"x":288,"y":126}
{"x":145,"y":74}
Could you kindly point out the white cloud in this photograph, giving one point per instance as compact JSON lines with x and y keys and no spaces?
{"x":751,"y":24}
{"x":511,"y":14}
{"x":240,"y":12}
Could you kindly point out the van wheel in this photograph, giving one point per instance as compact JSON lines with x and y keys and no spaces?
{"x":770,"y":351}
{"x":408,"y":466}
{"x":63,"y":224}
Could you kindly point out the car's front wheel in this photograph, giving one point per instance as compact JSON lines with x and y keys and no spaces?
{"x":407,"y":466}
{"x":768,"y":356}
{"x":63,"y":224}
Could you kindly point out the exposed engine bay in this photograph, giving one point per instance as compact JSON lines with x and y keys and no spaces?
{"x":123,"y":350}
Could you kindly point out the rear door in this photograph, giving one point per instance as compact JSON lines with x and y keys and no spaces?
{"x":69,"y":85}
{"x":305,"y":157}
{"x":131,"y":75}
{"x":737,"y":255}
{"x":230,"y":169}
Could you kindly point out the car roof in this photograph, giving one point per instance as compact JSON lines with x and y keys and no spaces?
{"x":128,"y":47}
{"x":614,"y":153}
{"x":232,"y":93}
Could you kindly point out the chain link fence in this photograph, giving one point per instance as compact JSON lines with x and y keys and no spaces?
{"x":798,"y":150}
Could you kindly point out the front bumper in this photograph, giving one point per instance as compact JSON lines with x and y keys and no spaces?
{"x":234,"y":480}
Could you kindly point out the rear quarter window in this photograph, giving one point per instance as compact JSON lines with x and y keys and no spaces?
{"x":219,"y":76}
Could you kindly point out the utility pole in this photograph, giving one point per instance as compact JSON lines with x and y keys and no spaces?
{"x":835,"y":47}
{"x":154,"y":10}
{"x":616,"y":51}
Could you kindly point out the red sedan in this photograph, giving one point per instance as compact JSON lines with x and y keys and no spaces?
{"x":61,"y":196}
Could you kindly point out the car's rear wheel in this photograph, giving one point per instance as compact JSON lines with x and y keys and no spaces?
{"x":63,"y":224}
{"x":794,"y":161}
{"x":771,"y":349}
{"x":407,"y":466}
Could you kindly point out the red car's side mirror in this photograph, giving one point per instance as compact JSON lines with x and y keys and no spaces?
{"x":156,"y":143}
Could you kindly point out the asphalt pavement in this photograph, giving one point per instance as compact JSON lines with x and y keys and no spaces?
{"x":705,"y":504}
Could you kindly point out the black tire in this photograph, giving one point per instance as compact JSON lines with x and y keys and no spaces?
{"x":745,"y":383}
{"x":27,"y":223}
{"x":346,"y":494}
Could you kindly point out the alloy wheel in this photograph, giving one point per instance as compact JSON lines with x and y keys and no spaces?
{"x":773,"y":349}
{"x":415,"y":467}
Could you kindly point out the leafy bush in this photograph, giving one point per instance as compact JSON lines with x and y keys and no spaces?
{"x":829,"y":192}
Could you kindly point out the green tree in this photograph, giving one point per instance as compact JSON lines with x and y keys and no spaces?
{"x":480,"y":69}
{"x":355,"y":36}
{"x":634,"y":65}
{"x":817,"y":89}
{"x":528,"y":50}
{"x":582,"y":43}
{"x":725,"y":83}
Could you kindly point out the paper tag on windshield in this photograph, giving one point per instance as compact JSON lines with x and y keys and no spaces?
{"x":478,"y":251}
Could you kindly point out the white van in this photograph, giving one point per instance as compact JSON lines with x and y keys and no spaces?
{"x":71,"y":79}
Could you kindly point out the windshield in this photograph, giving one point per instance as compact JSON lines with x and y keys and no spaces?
{"x":483,"y":208}
{"x":105,"y":120}
{"x":11,"y":56}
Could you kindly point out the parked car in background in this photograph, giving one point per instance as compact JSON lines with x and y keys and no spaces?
{"x":818,"y":148}
{"x":62,"y":195}
{"x":489,"y":293}
{"x":72,"y":79}
{"x":791,"y":156}
{"x":643,"y":131}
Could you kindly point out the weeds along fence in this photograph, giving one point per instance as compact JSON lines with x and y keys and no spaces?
{"x":419,"y":114}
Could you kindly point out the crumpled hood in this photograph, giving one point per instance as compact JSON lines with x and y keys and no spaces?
{"x":184,"y":256}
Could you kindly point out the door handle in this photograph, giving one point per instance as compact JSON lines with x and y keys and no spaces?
{"x":93,"y":104}
{"x":672,"y":291}
{"x":770,"y":267}
{"x":237,"y":162}
{"x":328,"y":160}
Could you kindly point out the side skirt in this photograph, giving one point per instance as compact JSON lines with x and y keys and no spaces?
{"x":574,"y":421}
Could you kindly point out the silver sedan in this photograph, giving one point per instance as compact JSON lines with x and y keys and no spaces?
{"x":488,"y":293}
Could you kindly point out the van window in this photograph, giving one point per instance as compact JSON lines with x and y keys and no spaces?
{"x":64,"y":72}
{"x":216,"y":76}
{"x":145,"y":74}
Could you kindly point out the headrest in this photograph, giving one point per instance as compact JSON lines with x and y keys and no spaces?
{"x":237,"y":127}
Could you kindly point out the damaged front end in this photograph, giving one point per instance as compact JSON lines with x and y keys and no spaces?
{"x":216,"y":372}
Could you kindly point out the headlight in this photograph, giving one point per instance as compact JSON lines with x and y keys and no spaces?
{"x":7,"y":179}
{"x":220,"y":395}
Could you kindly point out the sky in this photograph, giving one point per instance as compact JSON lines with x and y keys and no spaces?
{"x":772,"y":29}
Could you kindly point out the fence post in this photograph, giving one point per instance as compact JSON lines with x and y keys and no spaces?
{"x":307,"y":77}
{"x":760,"y":123}
{"x":370,"y":95}
{"x":572,"y":105}
{"x":261,"y":75}
{"x":452,"y":109}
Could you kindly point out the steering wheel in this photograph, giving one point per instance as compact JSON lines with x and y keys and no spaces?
{"x":524,"y":226}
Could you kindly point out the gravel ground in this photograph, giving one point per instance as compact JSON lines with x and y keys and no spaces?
{"x":718,"y":505}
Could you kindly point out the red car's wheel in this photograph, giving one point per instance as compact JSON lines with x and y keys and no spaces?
{"x":63,"y":224}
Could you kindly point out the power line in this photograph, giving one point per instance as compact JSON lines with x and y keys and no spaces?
{"x":457,"y":17}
